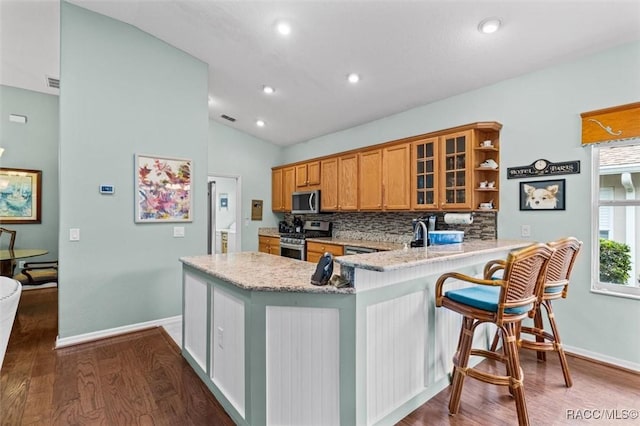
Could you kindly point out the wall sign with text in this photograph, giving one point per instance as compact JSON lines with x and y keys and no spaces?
{"x":543,"y":167}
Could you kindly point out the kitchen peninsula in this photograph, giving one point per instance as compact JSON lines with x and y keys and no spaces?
{"x":275,"y":349}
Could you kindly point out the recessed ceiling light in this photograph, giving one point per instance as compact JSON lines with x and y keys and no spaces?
{"x":260,"y":123}
{"x":353,"y":78}
{"x":283,"y":28}
{"x":268,"y":90}
{"x":489,"y":25}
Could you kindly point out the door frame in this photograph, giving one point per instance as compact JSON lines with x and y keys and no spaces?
{"x":238,"y":178}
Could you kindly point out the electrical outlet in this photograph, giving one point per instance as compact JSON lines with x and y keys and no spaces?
{"x":21,"y":263}
{"x":220,"y":337}
{"x":525,"y":230}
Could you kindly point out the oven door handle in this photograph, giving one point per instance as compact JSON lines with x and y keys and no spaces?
{"x":292,"y":246}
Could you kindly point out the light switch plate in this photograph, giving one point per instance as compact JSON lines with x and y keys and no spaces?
{"x":178,"y":231}
{"x":525,"y":230}
{"x":74,"y":234}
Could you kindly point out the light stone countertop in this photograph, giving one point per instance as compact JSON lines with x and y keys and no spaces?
{"x":378,"y":245}
{"x":268,"y":232}
{"x":263,"y":272}
{"x":398,"y":259}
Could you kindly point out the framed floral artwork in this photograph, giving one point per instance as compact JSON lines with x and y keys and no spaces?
{"x":20,"y":195}
{"x":163,"y":189}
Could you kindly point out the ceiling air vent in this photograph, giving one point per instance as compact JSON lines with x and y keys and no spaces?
{"x":54,"y":83}
{"x":226,"y":117}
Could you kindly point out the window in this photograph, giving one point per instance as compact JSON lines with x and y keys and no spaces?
{"x":616,"y":192}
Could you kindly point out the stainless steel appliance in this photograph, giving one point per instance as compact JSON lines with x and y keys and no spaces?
{"x":305,"y":202}
{"x":293,"y":244}
{"x":358,"y":250}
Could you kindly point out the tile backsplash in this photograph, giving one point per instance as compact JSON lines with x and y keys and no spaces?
{"x":396,"y":226}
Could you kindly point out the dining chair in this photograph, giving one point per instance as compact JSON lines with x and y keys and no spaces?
{"x":7,"y":267}
{"x":34,"y":273}
{"x":504,"y":302}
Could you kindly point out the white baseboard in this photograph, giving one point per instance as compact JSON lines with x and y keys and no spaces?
{"x":602,"y":358}
{"x":102,"y":334}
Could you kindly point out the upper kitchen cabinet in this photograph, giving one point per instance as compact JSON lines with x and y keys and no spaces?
{"x":282,"y":186}
{"x":457,"y":170}
{"x":308,"y":175}
{"x":277,"y":201}
{"x":396,"y":182}
{"x":329,"y":184}
{"x":425,"y":175}
{"x":455,"y":161}
{"x":348,"y":182}
{"x":486,"y":169}
{"x":383,"y":179}
{"x":339,"y":183}
{"x":370,"y":179}
{"x":442,"y":172}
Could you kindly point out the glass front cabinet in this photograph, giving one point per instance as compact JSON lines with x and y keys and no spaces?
{"x":441,"y":173}
{"x":457,"y":171}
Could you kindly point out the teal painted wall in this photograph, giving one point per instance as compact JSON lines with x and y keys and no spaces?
{"x":123,"y":92}
{"x":232,"y":152}
{"x":33,"y":145}
{"x":541,"y":117}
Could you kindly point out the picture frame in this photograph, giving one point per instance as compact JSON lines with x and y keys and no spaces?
{"x":543,"y":195}
{"x":163,"y":189}
{"x":20,"y":196}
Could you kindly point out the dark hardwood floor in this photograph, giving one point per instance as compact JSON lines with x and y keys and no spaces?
{"x":141,"y":379}
{"x":134,"y":379}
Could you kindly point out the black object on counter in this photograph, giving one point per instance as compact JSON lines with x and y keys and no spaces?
{"x":324,"y":270}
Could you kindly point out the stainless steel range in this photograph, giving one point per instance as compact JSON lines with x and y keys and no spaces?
{"x":293,"y":244}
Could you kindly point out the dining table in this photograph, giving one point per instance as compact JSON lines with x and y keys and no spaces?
{"x":7,"y":256}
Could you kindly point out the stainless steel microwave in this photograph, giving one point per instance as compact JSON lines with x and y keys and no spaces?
{"x":305,"y":202}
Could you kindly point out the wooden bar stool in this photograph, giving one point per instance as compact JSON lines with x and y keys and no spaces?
{"x":504,"y":302}
{"x":555,"y":287}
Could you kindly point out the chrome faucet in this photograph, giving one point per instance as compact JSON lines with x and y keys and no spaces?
{"x":420,"y":229}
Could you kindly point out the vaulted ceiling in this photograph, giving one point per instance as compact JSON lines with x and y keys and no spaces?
{"x":408,"y":53}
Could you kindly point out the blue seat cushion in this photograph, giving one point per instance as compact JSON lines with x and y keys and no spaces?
{"x":554,"y":289}
{"x":483,"y":297}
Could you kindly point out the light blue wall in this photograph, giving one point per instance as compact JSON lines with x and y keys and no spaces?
{"x":123,"y":92}
{"x":33,"y":145}
{"x":232,"y":152}
{"x":541,"y":117}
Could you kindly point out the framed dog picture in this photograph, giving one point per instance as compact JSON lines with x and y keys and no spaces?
{"x":542,"y":195}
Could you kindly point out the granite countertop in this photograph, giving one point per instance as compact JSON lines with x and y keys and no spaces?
{"x":378,"y":245}
{"x":268,"y":232}
{"x":263,"y":272}
{"x":398,"y":259}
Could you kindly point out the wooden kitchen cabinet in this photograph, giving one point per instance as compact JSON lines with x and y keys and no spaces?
{"x":370,"y":180}
{"x":442,"y":172}
{"x":486,"y":176}
{"x":269,"y":245}
{"x":424,"y":174}
{"x":277,"y":200}
{"x":316,"y":250}
{"x":383,"y":179}
{"x":438,"y":171}
{"x":329,"y":184}
{"x":339,"y":183}
{"x":348,"y":182}
{"x":396,"y":190}
{"x":308,"y":175}
{"x":283,"y":184}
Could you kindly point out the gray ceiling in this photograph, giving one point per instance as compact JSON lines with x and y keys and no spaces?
{"x":408,"y":53}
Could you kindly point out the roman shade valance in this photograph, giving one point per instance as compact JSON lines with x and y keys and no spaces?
{"x":611,"y":124}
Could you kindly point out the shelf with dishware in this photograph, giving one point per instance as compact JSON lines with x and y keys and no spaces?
{"x":486,"y":172}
